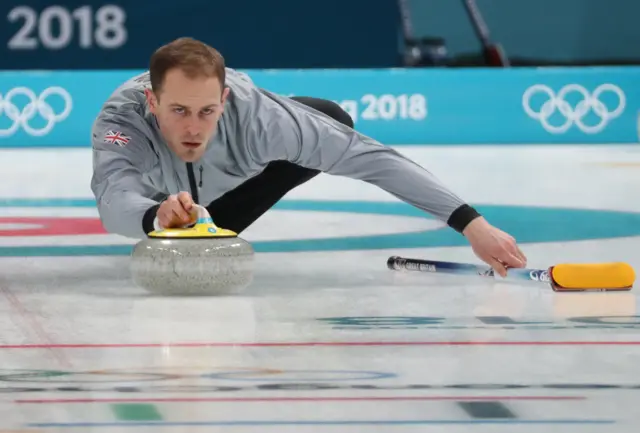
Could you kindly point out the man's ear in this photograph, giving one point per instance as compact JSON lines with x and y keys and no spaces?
{"x":152,"y":100}
{"x":225,"y":94}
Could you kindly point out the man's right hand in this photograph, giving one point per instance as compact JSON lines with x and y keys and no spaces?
{"x":177,"y":211}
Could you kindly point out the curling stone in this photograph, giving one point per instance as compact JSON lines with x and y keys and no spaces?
{"x":199,"y":260}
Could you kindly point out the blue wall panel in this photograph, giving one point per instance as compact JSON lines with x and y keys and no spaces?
{"x":394,"y":106}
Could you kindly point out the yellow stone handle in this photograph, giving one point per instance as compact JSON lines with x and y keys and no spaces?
{"x":203,"y":228}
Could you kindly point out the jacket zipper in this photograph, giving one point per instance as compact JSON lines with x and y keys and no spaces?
{"x":192,"y":182}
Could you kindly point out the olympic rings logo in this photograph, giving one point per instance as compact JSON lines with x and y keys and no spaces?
{"x":574,"y":115}
{"x":37,"y":105}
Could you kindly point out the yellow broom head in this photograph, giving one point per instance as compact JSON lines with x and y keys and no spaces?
{"x":593,"y":276}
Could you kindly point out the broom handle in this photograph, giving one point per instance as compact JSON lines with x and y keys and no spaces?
{"x":397,"y":263}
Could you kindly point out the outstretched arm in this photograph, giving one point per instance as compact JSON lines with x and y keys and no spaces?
{"x":284,"y":129}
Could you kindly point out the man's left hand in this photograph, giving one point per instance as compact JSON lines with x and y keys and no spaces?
{"x":493,"y":246}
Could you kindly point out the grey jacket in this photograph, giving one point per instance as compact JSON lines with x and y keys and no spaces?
{"x":133,"y":169}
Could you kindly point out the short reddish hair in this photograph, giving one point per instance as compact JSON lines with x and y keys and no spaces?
{"x":194,"y":58}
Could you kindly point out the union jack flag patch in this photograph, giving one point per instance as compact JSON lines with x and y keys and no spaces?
{"x":116,"y":137}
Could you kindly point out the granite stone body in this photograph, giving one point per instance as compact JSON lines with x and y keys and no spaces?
{"x":193,"y":266}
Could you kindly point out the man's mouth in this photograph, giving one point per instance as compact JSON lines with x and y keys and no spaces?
{"x":191,"y":143}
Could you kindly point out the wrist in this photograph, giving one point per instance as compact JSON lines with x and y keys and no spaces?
{"x":477,"y":225}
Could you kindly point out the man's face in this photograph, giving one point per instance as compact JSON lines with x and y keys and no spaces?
{"x":188,"y":110}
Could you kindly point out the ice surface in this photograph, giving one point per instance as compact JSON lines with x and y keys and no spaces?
{"x":327,"y":338}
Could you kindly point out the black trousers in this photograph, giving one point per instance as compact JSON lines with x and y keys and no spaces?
{"x":239,"y":208}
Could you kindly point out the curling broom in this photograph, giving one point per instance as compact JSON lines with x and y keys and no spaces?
{"x":565,"y":277}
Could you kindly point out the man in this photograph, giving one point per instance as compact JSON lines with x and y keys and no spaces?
{"x":193,"y":131}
